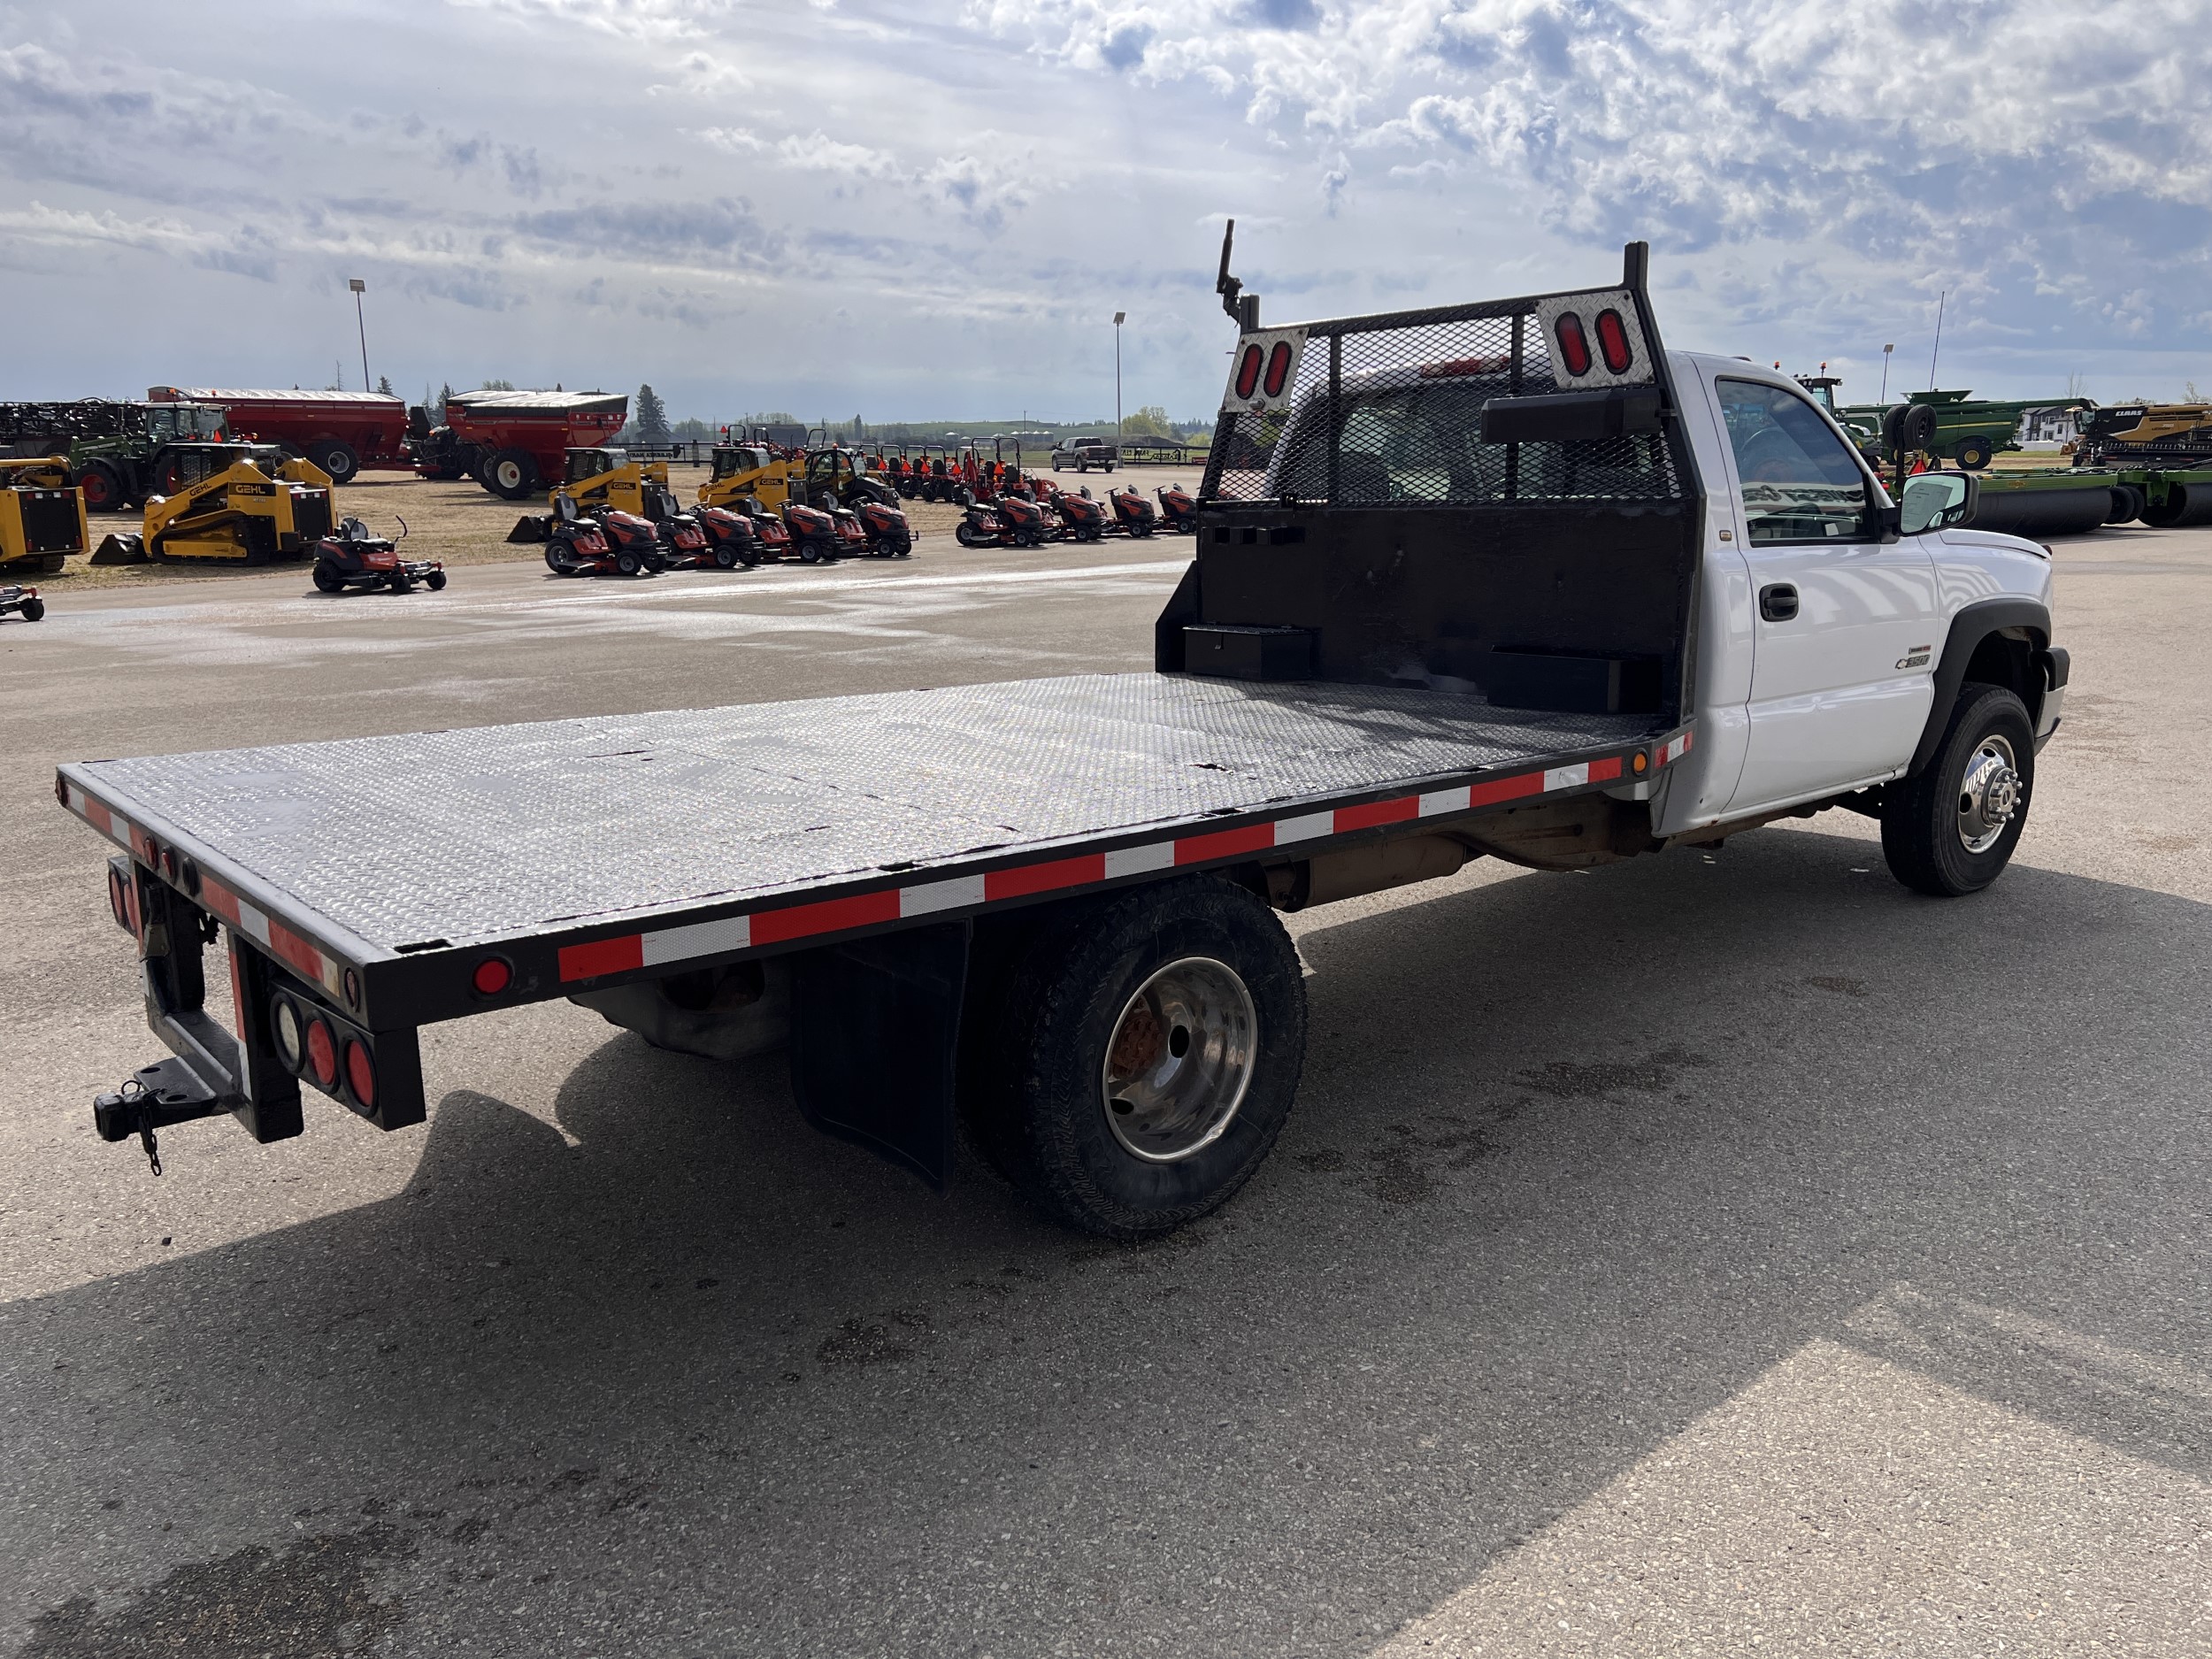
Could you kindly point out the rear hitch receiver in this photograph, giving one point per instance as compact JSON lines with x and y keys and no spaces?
{"x":168,"y":1091}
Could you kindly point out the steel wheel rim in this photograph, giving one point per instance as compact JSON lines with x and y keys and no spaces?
{"x":1179,"y":1060}
{"x":1989,"y":793}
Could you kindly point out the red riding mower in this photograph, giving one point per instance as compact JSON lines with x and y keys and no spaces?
{"x":1179,"y":510}
{"x":733,"y":540}
{"x":875,"y":507}
{"x":350,"y":557}
{"x":577,"y":546}
{"x":1133,"y":515}
{"x":1082,"y":518}
{"x":1009,"y":521}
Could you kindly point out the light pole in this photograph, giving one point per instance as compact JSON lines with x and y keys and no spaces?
{"x":358,"y":287}
{"x":1887,"y":350}
{"x":1119,"y":316}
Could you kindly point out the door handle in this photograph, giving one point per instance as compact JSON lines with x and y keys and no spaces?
{"x":1778,"y":602}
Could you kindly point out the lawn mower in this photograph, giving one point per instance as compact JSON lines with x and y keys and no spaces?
{"x":24,"y":600}
{"x":1133,"y":515}
{"x":1179,"y":510}
{"x":1082,"y":518}
{"x":579,"y":546}
{"x":815,"y":533}
{"x":733,"y":539}
{"x":1009,"y":521}
{"x":352,"y":558}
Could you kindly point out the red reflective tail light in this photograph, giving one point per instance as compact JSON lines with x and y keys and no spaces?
{"x":322,"y":1053}
{"x":361,"y":1073}
{"x":1248,"y":370}
{"x":1574,"y":345}
{"x":1613,"y":342}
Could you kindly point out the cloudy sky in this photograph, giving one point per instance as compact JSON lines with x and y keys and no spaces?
{"x":930,"y":209}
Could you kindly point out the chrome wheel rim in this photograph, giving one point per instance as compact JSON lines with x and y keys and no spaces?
{"x":1989,"y":793}
{"x":1179,"y":1060}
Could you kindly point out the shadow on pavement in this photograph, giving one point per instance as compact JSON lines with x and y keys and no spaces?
{"x":1577,"y":1159}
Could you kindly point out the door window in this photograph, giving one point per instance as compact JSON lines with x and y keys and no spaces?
{"x":1800,"y":482}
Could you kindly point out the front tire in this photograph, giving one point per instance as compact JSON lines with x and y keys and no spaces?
{"x":1951,"y":830}
{"x":1145,"y":1058}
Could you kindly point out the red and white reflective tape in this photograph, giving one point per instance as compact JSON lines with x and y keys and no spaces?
{"x":296,"y":952}
{"x":1674,"y":748}
{"x":627,"y":952}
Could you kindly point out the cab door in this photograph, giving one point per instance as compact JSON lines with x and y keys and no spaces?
{"x":1845,"y":626}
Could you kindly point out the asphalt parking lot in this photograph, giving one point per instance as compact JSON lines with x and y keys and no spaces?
{"x":1712,"y":1253}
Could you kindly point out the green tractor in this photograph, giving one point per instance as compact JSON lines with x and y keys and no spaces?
{"x":119,"y":453}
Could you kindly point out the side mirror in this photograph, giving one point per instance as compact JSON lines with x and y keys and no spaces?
{"x":1936,"y":501}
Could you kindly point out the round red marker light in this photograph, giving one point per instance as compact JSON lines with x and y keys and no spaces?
{"x":361,"y":1071}
{"x":493,"y":975}
{"x":322,"y":1053}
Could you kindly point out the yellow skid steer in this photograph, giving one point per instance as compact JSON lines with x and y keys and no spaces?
{"x":263,"y":506}
{"x":42,"y":516}
{"x":604,"y":480}
{"x":754,"y":470}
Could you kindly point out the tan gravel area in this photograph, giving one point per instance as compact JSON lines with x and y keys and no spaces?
{"x":462,"y":523}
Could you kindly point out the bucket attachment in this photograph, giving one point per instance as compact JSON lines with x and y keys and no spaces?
{"x":531,"y":527}
{"x":121,"y":549}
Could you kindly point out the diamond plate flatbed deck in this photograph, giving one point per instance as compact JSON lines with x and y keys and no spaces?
{"x":378,"y":847}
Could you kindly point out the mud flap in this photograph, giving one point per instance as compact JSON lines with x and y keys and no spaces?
{"x":532,"y":526}
{"x":875,"y":1032}
{"x":121,"y":549}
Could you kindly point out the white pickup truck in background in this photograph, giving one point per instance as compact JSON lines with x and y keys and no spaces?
{"x":1502,"y":578}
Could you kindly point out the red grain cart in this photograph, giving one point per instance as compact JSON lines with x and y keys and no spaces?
{"x":511,"y":443}
{"x":340,"y":432}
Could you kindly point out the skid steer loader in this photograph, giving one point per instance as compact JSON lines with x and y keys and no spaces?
{"x":263,"y":506}
{"x":755,"y":470}
{"x":42,"y":516}
{"x":601,"y":479}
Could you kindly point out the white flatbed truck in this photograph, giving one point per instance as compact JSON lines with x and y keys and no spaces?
{"x":1500,"y":578}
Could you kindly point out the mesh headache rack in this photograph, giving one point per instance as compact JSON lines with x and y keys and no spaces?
{"x":1553,"y":397}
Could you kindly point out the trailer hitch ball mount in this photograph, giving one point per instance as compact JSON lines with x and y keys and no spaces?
{"x":168,"y":1091}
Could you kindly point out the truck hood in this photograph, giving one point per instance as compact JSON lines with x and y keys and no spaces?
{"x":1967,"y":537}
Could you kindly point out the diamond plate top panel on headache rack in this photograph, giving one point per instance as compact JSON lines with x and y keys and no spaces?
{"x":482,"y":833}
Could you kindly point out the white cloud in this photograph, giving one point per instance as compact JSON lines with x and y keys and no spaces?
{"x":858,"y":203}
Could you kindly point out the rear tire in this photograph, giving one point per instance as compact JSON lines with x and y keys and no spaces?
{"x":337,"y":459}
{"x":328,"y":581}
{"x":1950,"y":831}
{"x":1098,"y":1007}
{"x":1972,"y":454}
{"x":511,"y":474}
